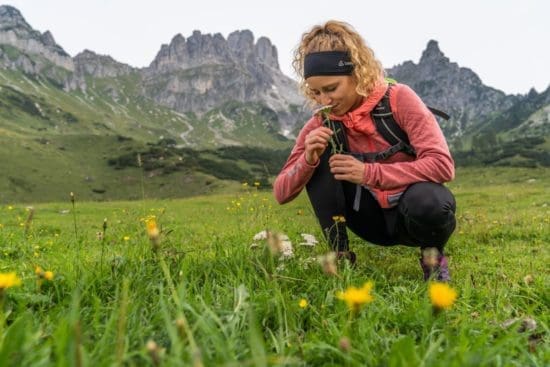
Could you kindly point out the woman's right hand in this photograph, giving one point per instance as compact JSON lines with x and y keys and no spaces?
{"x":315,"y":143}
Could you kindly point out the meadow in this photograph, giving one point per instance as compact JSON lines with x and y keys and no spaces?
{"x":94,"y":288}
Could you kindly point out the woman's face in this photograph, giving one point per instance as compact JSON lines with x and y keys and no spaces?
{"x":337,"y":91}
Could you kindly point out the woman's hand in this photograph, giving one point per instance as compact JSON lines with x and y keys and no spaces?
{"x":316,"y":142}
{"x":347,"y":168}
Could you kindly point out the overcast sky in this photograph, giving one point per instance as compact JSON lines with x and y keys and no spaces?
{"x":506,"y":42}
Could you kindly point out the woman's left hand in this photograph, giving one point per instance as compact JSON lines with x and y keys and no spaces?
{"x":347,"y":168}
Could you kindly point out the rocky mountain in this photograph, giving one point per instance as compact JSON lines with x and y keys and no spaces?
{"x":480,"y":115}
{"x":452,"y":88}
{"x":194,"y":75}
{"x":88,"y":63}
{"x":209,"y":91}
{"x":204,"y":71}
{"x":25,"y":49}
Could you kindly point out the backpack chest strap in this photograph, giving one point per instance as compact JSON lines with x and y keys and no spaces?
{"x":375,"y":157}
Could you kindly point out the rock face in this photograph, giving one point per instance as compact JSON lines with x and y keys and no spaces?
{"x":17,"y":33}
{"x":188,"y":75}
{"x":204,"y":71}
{"x":457,"y":90}
{"x":99,"y":66}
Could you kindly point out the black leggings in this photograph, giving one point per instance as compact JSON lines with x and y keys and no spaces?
{"x":424,"y":216}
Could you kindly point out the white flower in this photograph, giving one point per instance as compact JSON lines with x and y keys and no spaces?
{"x":286,"y":248}
{"x":278,"y":243}
{"x":260,"y":236}
{"x":309,"y":239}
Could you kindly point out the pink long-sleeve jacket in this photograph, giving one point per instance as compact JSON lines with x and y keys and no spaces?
{"x":387,"y":179}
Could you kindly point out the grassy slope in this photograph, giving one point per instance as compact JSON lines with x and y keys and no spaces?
{"x":242,"y":311}
{"x":52,"y":142}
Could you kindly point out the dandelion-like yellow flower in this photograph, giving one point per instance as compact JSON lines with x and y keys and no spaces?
{"x":339,"y":219}
{"x":8,"y":280}
{"x":126,"y":238}
{"x":442,"y":295}
{"x":41,"y":274}
{"x":303,"y":303}
{"x":356,"y":297}
{"x":152,"y":228}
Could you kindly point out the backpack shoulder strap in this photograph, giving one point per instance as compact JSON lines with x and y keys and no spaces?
{"x":386,"y":125}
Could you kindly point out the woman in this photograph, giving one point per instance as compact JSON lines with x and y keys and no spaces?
{"x":386,"y":199}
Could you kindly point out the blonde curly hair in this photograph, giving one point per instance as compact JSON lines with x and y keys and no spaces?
{"x":339,"y":36}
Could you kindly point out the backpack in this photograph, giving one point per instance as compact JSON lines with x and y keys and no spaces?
{"x":387,"y":127}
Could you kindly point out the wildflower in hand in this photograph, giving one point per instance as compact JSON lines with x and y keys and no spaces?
{"x":324,"y":112}
{"x":8,"y":280}
{"x":442,"y":296}
{"x":356,"y":297}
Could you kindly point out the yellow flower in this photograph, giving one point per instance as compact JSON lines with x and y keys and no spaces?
{"x":10,"y":207}
{"x":152,"y":228}
{"x":126,"y":238}
{"x":256,"y":184}
{"x":339,"y":219}
{"x":442,"y":295}
{"x":41,"y":274}
{"x":303,"y":303}
{"x":355,"y":297}
{"x":8,"y":280}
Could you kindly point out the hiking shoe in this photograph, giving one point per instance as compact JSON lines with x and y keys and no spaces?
{"x":434,"y":265}
{"x":347,"y":255}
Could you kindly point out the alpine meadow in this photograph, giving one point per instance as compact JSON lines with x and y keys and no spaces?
{"x":138,"y":225}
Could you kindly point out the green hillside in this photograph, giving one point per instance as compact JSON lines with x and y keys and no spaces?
{"x":53,"y":142}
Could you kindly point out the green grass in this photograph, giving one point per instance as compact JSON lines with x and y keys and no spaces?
{"x":206,"y":297}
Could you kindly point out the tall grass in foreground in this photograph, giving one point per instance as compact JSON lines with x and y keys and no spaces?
{"x":200,"y":295}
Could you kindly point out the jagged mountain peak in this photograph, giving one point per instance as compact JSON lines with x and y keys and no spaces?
{"x":11,"y":17}
{"x":457,"y":90}
{"x":432,"y":53}
{"x":241,"y":39}
{"x":203,"y":49}
{"x":88,"y":62}
{"x":12,"y":22}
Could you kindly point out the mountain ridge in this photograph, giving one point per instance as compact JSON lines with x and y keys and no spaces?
{"x":206,"y":92}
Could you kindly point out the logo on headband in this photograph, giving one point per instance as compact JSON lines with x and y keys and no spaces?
{"x":344,"y":63}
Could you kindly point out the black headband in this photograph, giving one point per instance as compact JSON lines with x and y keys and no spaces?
{"x":327,"y":63}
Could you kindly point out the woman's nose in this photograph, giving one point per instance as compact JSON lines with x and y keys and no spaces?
{"x":325,"y":99}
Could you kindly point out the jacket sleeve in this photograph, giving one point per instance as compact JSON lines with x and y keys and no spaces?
{"x":433,"y":160}
{"x":296,"y":172}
